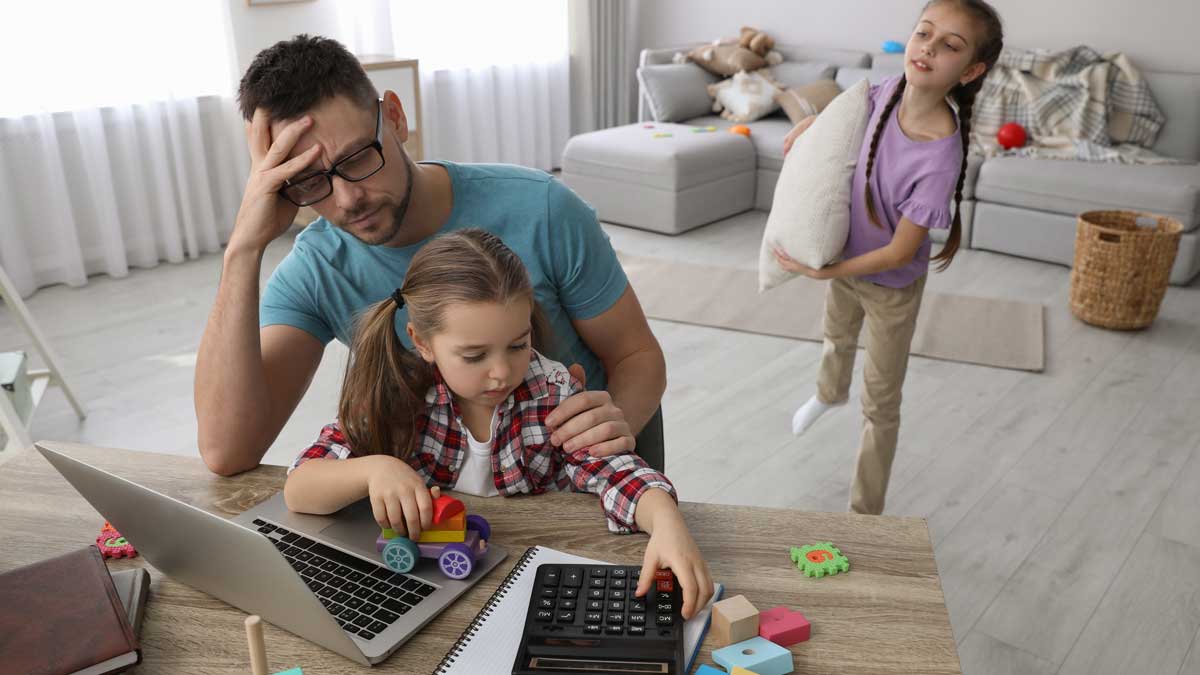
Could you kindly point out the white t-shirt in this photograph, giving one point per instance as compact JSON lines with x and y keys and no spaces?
{"x":475,"y":475}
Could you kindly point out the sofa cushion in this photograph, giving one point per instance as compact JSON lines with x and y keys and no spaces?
{"x":670,"y":157}
{"x":1071,"y":187}
{"x":676,"y":91}
{"x":799,"y":73}
{"x":1178,"y":95}
{"x":766,"y":134}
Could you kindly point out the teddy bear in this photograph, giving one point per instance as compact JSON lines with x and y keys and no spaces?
{"x":749,"y":52}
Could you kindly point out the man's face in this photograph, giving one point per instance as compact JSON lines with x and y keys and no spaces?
{"x":371,"y":210}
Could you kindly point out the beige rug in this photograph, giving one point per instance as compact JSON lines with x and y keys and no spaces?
{"x":986,"y":331}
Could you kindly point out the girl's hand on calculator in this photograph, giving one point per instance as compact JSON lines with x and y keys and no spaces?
{"x":671,"y":547}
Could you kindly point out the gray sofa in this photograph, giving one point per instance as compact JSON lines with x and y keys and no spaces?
{"x":1020,"y":206}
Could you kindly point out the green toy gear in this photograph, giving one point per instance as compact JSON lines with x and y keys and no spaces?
{"x":819,"y":559}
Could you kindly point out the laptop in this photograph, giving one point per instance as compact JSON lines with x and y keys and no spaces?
{"x":319,"y":577}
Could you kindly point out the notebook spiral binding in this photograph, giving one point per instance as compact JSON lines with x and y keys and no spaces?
{"x":467,"y":634}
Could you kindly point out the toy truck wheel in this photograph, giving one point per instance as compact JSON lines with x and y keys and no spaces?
{"x":456,"y":562}
{"x":400,"y":555}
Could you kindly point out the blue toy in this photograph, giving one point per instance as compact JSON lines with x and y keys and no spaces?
{"x":893,"y":47}
{"x":706,"y":669}
{"x":758,"y":655}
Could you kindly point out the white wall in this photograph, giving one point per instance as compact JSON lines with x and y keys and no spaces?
{"x":258,"y":27}
{"x":1156,"y":34}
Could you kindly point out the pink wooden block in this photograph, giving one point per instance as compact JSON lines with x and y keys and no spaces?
{"x":783,"y":626}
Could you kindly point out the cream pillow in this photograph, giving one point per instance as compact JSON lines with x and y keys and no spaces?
{"x":810,"y":217}
{"x":744,"y":97}
{"x":806,"y":100}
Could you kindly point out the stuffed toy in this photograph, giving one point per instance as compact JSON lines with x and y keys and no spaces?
{"x":730,"y":56}
{"x":745,"y":97}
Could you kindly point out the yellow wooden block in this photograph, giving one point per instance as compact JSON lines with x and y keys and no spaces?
{"x":738,"y":670}
{"x":441,"y":536}
{"x":456,"y":522}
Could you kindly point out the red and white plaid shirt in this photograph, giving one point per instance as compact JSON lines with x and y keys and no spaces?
{"x":523,"y":461}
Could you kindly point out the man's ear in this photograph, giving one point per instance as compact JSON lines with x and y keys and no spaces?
{"x":393,"y":115}
{"x":973,"y":71}
{"x":421,"y":346}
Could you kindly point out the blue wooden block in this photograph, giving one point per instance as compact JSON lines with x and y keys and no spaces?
{"x":756,"y":654}
{"x":706,"y":669}
{"x":293,"y":671}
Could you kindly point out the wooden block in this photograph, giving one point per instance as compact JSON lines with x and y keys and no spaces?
{"x":445,"y":506}
{"x":734,"y":620}
{"x":706,"y":669}
{"x":456,"y":522}
{"x":258,"y":647}
{"x":738,"y":670}
{"x":758,"y":655}
{"x":441,"y":536}
{"x":785,"y":627}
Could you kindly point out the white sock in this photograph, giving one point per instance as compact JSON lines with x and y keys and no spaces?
{"x":809,"y":412}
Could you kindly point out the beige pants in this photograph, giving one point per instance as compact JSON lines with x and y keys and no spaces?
{"x":891,"y":317}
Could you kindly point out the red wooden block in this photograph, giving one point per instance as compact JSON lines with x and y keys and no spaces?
{"x":445,"y":506}
{"x":783,"y":626}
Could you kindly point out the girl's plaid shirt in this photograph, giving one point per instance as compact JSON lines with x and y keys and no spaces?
{"x":523,"y":461}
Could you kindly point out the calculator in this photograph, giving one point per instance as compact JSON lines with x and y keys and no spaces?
{"x":586,"y":620}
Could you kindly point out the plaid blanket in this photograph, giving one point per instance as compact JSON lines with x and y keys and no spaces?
{"x":1075,"y":104}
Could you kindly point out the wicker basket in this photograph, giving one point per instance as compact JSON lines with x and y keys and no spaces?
{"x":1123,"y":262}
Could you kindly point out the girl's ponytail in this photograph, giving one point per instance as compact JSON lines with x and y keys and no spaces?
{"x":383,"y":392}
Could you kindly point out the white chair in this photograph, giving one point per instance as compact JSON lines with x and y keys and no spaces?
{"x":16,"y":428}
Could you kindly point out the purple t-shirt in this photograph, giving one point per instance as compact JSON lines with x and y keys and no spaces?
{"x":915,"y":179}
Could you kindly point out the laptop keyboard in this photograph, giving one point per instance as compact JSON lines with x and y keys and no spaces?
{"x":365,"y":597}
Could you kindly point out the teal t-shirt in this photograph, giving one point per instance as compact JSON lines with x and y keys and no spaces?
{"x":330,"y":277}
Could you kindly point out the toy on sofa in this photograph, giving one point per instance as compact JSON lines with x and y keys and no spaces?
{"x":892,"y":47}
{"x":1011,"y":135}
{"x":457,"y":541}
{"x":751,"y":50}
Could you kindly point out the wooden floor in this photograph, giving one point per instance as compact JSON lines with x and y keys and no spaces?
{"x":1064,"y":505}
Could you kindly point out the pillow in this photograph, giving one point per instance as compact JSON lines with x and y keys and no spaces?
{"x":810,"y":217}
{"x":725,"y":59}
{"x":676,"y":92}
{"x":744,"y":97}
{"x":801,"y":102}
{"x":799,"y":73}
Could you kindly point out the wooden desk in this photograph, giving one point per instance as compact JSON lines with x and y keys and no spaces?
{"x":886,"y":616}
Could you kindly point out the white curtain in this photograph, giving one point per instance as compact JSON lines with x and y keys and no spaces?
{"x":603,"y":39}
{"x":494,"y":75}
{"x":120,"y":145}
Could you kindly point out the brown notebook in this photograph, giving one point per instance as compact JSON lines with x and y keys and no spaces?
{"x":63,"y":615}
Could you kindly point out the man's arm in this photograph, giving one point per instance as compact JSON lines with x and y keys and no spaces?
{"x":248,"y":381}
{"x":637,"y":377}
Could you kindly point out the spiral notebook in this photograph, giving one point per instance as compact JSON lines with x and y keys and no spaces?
{"x":489,"y":644}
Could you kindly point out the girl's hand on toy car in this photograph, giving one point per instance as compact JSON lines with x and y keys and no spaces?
{"x":796,"y":131}
{"x":399,"y":499}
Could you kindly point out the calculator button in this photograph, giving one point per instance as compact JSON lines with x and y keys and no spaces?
{"x":596,"y":594}
{"x":615,"y":619}
{"x":665,"y":608}
{"x":637,"y":619}
{"x":569,"y":593}
{"x":573,"y":576}
{"x":616,"y":595}
{"x":618,"y":573}
{"x":637,"y":630}
{"x":599,"y":572}
{"x":545,"y":603}
{"x":637,"y":606}
{"x":566,"y":604}
{"x":635,"y":573}
{"x":565,"y":617}
{"x":665,"y":597}
{"x":549,"y":591}
{"x":593,"y":617}
{"x":616,"y":606}
{"x":665,"y":586}
{"x":544,"y":615}
{"x":597,"y":582}
{"x":593,"y":628}
{"x":595,"y":605}
{"x":550,"y":576}
{"x":614,"y":630}
{"x":665,"y":620}
{"x":617,"y":583}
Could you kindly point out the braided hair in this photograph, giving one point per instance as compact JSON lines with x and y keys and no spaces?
{"x":987,"y":52}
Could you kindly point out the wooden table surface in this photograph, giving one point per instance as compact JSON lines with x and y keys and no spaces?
{"x":887,"y":615}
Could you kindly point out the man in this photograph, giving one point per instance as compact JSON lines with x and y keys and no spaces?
{"x":320,"y":136}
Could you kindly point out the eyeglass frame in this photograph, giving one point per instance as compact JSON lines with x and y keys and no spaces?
{"x":332,"y":171}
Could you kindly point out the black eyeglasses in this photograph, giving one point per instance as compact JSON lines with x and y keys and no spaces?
{"x":361,"y":165}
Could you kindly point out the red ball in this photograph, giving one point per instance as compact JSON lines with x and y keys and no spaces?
{"x":1011,"y":135}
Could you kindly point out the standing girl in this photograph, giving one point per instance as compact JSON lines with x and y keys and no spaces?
{"x":909,"y":169}
{"x":467,"y":410}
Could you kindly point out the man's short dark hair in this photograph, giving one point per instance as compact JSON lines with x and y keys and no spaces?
{"x":291,"y":77}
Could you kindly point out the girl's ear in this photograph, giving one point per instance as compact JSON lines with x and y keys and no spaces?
{"x":973,"y":71}
{"x":422,"y":348}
